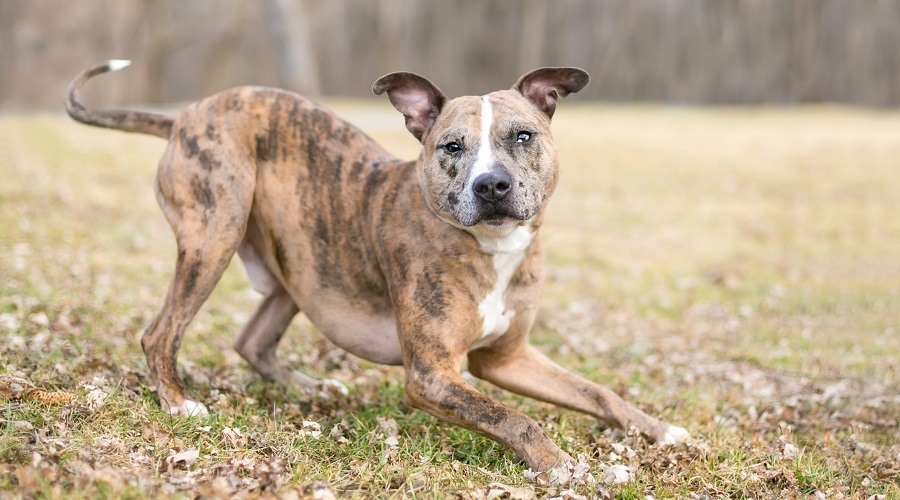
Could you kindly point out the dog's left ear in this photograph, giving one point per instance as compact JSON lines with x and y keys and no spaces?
{"x":418,"y":99}
{"x":543,"y":87}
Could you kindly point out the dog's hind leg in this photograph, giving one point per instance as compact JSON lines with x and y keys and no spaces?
{"x":206,"y":197}
{"x":258,"y":340}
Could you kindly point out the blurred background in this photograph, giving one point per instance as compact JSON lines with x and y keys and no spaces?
{"x":677,"y":51}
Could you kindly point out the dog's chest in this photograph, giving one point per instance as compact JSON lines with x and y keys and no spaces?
{"x":496,"y":317}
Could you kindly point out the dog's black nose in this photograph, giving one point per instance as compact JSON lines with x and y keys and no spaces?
{"x":492,"y":186}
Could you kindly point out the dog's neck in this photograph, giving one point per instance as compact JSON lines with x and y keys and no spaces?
{"x":515,"y":241}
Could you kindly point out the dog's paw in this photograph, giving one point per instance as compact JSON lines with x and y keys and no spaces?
{"x":189,"y":409}
{"x":323,"y":388}
{"x":673,"y":435}
{"x":329,"y":389}
{"x":333,"y":386}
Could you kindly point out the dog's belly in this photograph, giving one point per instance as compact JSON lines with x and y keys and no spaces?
{"x":363,"y":325}
{"x":357,"y":317}
{"x":364,"y":329}
{"x":354,"y":327}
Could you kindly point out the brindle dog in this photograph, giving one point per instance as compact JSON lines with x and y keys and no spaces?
{"x":424,"y":263}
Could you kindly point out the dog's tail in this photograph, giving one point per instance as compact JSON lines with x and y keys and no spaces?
{"x":127,"y":121}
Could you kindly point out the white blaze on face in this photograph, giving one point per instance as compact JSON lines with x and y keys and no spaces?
{"x":485,"y":156}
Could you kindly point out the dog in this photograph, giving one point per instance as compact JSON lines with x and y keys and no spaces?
{"x":425,"y":264}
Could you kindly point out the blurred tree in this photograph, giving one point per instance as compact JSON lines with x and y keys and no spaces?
{"x":684,"y":51}
{"x":293,"y":48}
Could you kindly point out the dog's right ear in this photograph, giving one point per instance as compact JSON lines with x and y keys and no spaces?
{"x":418,"y":99}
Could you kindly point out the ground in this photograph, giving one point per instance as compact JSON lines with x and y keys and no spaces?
{"x":734,"y":271}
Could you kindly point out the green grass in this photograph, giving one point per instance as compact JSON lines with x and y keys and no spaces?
{"x":736,"y":271}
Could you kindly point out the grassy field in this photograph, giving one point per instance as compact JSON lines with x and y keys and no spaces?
{"x":735,"y":271}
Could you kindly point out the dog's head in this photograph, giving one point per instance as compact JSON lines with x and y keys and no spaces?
{"x":490,"y":160}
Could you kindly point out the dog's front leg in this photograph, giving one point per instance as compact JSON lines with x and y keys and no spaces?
{"x":434,"y":347}
{"x":524,"y":370}
{"x":442,"y":392}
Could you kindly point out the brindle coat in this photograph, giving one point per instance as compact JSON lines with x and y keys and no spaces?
{"x":393,"y":261}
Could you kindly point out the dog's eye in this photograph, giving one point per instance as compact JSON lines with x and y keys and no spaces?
{"x":452,"y":147}
{"x":523,"y":137}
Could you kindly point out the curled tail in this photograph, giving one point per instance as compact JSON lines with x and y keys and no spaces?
{"x":128,"y":121}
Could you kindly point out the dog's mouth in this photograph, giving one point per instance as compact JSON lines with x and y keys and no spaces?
{"x":496,"y":216}
{"x":498,"y":219}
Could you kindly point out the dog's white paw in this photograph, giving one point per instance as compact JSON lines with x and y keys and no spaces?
{"x":332,"y":385}
{"x":674,"y":435}
{"x":189,"y":409}
{"x":323,"y":388}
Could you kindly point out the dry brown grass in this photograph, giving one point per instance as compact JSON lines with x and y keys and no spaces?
{"x":735,"y":271}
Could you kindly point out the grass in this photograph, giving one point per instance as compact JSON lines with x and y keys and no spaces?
{"x":735,"y":271}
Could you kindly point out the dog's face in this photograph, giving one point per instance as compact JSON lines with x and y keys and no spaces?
{"x":489,"y":160}
{"x":486,"y":160}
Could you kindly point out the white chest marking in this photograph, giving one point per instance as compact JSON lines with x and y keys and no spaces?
{"x":508,"y":254}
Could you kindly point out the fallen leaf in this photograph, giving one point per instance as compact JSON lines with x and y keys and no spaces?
{"x":22,"y":426}
{"x":311,"y":429}
{"x":318,"y":491}
{"x":9,"y":322}
{"x":341,"y":432}
{"x":576,"y":472}
{"x":389,"y":426}
{"x":95,"y":398}
{"x":14,"y":387}
{"x":617,"y":474}
{"x":184,"y":458}
{"x":232,"y":436}
{"x":40,"y":319}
